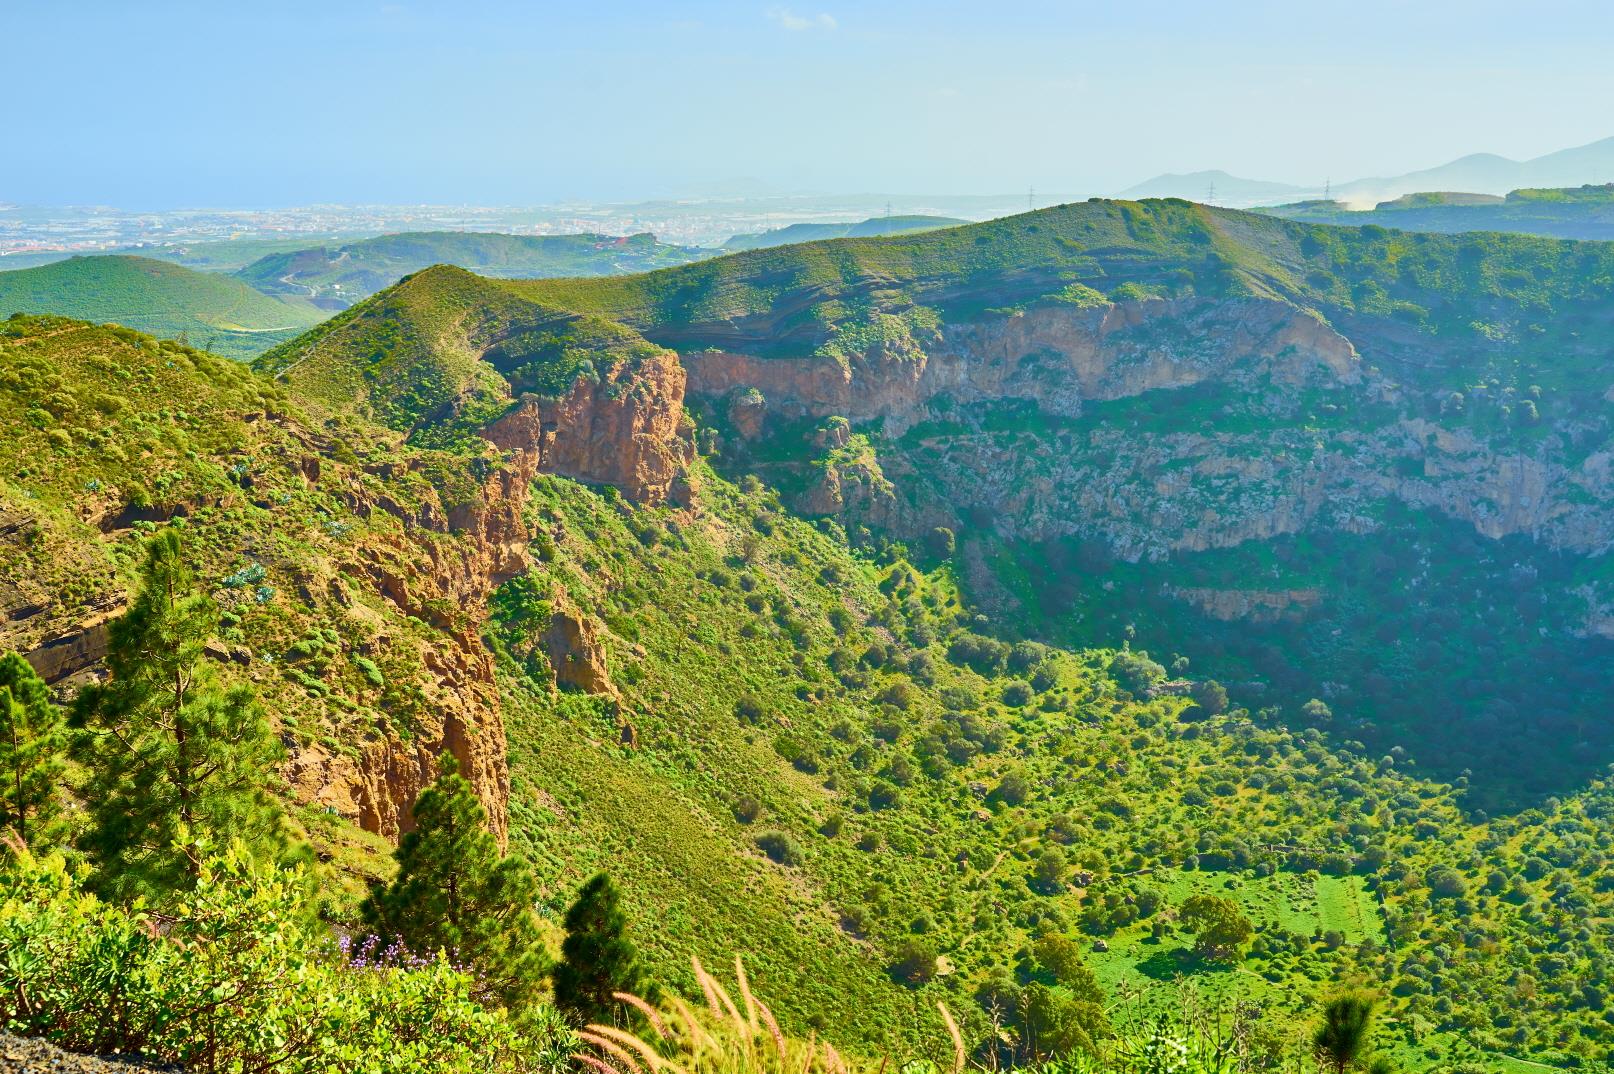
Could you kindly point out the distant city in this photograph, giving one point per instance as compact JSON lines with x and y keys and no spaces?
{"x":31,"y":234}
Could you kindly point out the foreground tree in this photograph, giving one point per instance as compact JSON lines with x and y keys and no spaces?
{"x":597,"y":958}
{"x":1341,"y":1040}
{"x":32,"y":748}
{"x":456,"y":893}
{"x":179,"y":765}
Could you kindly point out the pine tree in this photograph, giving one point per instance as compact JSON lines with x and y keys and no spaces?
{"x":455,"y":893}
{"x":179,"y":765}
{"x":32,"y":748}
{"x":1341,"y":1038}
{"x":597,"y":958}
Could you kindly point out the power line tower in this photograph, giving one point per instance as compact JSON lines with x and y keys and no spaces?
{"x":1210,"y":198}
{"x":1031,"y":198}
{"x":1328,"y":189}
{"x":888,"y":210}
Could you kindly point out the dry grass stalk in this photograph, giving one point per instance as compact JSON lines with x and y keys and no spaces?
{"x":651,"y":1015}
{"x":711,"y":986}
{"x":698,"y":1037}
{"x":611,"y":1048}
{"x":958,"y":1038}
{"x":745,"y":993}
{"x":651,"y":1057}
{"x":833,"y":1063}
{"x":595,"y":1062}
{"x":708,"y":987}
{"x":773,"y":1031}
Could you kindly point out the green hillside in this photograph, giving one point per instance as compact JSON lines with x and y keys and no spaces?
{"x":1503,"y":321}
{"x":810,"y":753}
{"x":875,"y":225}
{"x":915,"y":680}
{"x":216,"y":312}
{"x":335,"y":277}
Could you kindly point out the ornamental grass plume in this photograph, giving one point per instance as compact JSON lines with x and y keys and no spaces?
{"x":726,"y":1038}
{"x":650,"y":1013}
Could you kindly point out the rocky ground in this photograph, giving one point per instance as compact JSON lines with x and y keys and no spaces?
{"x":20,"y":1056}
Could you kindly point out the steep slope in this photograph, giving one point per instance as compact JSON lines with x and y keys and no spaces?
{"x":779,"y":745}
{"x":877,"y":225}
{"x":336,"y":277}
{"x":350,"y":568}
{"x":216,"y":312}
{"x":1195,"y":391}
{"x":451,"y":359}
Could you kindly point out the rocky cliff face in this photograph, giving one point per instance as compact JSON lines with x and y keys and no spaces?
{"x":1167,"y":427}
{"x":628,"y":429}
{"x":388,"y":557}
{"x":1056,"y":357}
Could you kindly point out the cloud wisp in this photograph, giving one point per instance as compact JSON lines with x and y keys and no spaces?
{"x":796,"y":23}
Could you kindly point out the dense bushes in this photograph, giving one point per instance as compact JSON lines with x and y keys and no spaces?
{"x":233,"y":977}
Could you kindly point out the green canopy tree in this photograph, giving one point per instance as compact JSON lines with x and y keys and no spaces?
{"x":1221,"y":931}
{"x":1341,"y":1039}
{"x":597,"y":958}
{"x":179,"y":765}
{"x":33,"y":746}
{"x":1055,"y":1022}
{"x":455,"y":893}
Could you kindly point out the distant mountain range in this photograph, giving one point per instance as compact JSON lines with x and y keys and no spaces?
{"x":1216,"y":185}
{"x":1482,"y":173}
{"x":1568,"y":213}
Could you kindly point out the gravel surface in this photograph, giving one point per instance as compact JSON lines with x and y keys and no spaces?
{"x":20,"y":1056}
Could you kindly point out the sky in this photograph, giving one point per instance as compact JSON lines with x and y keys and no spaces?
{"x":160,"y":105}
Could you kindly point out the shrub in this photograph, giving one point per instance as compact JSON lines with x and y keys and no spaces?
{"x":1012,"y":789}
{"x":747,"y":809}
{"x":885,"y":795}
{"x":781,"y":847}
{"x":1017,"y":694}
{"x":915,"y":962}
{"x":236,"y":979}
{"x":1135,"y":671}
{"x":986,"y":656}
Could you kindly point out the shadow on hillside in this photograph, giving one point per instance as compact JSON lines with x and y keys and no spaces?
{"x":1167,"y":964}
{"x":1431,"y":649}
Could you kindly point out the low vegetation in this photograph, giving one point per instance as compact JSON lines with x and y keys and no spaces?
{"x":944,"y":833}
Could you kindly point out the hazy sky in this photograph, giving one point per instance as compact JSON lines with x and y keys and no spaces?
{"x":162,"y":104}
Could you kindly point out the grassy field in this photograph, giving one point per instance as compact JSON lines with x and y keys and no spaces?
{"x":210,"y":311}
{"x":1144,"y":972}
